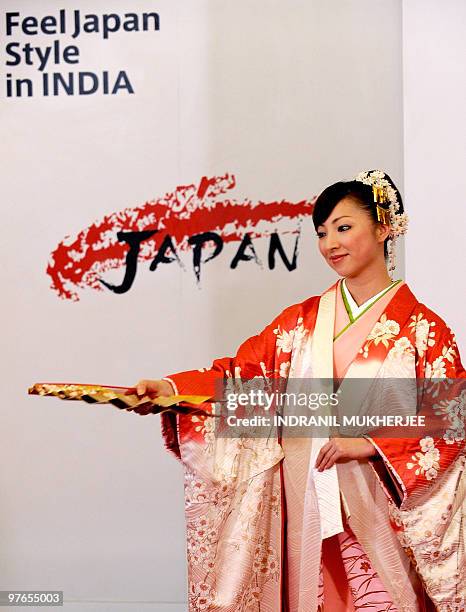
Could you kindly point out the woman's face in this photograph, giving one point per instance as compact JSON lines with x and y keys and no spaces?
{"x":349,"y":240}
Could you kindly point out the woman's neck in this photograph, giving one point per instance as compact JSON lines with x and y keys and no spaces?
{"x":366,"y":285}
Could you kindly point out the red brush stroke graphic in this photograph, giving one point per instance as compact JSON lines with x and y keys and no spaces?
{"x":188,"y":210}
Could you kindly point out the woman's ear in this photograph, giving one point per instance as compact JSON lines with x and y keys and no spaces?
{"x":382,"y":231}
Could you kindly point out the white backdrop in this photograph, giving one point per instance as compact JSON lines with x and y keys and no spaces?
{"x":434,"y":47}
{"x":288,"y":98}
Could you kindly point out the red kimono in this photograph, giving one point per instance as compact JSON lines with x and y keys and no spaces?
{"x":260,"y":536}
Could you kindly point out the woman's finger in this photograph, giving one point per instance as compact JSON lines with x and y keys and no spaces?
{"x":328,"y":460}
{"x":322,"y":455}
{"x":332,"y":460}
{"x":141,"y":387}
{"x":323,"y":452}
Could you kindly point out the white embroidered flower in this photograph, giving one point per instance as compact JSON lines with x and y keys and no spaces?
{"x":402,"y":349}
{"x":436,"y":369}
{"x":263,"y":370}
{"x":449,"y":352}
{"x":284,"y":369}
{"x":285,"y":339}
{"x":454,"y":412}
{"x":426,"y":444}
{"x":426,"y":461}
{"x":431,"y":473}
{"x":424,"y":336}
{"x":403,"y":344}
{"x":377,"y":331}
{"x":429,"y":459}
{"x":364,"y":351}
{"x":200,"y":420}
{"x":384,"y":330}
{"x":392,"y":328}
{"x":455,"y":435}
{"x":206,"y":426}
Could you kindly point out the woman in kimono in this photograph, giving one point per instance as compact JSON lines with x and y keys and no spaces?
{"x":304,"y":524}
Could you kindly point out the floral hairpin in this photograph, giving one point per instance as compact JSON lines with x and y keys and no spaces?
{"x":385,"y":193}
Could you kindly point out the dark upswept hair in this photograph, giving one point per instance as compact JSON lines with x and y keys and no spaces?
{"x":356,"y":190}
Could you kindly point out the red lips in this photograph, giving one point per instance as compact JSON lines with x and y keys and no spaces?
{"x":335,"y":258}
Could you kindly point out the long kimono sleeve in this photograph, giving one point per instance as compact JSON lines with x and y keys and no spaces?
{"x":264,"y":354}
{"x":430,"y":471}
{"x":415,"y":464}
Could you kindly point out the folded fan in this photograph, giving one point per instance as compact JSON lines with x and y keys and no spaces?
{"x":118,"y":396}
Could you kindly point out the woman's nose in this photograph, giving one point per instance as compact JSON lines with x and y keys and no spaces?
{"x":332,"y":242}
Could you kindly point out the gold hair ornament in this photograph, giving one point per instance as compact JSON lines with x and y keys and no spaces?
{"x":381,"y":197}
{"x":390,"y":215}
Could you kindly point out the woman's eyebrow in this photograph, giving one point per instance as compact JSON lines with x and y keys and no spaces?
{"x":342,"y":217}
{"x":337,"y":219}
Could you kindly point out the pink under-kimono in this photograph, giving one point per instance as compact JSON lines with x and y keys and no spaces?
{"x":256,"y":539}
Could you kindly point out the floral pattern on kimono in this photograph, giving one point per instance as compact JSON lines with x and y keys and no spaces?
{"x":234,"y":488}
{"x":430,"y":471}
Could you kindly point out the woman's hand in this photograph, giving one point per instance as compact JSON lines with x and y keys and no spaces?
{"x":337,"y":449}
{"x":151,"y":389}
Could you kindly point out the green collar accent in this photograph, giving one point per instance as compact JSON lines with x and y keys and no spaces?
{"x":348,"y":309}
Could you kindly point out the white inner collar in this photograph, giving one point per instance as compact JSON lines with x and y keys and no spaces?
{"x":355,"y":309}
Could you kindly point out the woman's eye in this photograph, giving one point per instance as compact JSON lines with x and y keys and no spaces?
{"x":343,"y":228}
{"x":320,"y":234}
